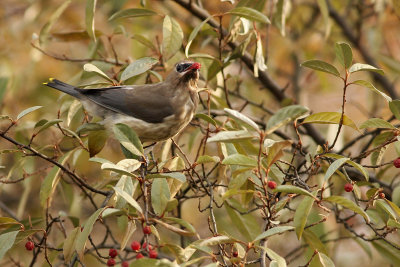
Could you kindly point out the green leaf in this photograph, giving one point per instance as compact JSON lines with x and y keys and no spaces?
{"x":119,"y":169}
{"x":242,"y":118}
{"x":174,"y":175}
{"x":206,"y":118}
{"x":89,"y":18}
{"x":293,"y":189}
{"x":395,"y":108}
{"x":347,"y":203}
{"x":6,"y":242}
{"x":27,"y":111}
{"x":88,"y":67}
{"x":51,"y":180}
{"x":125,"y":184}
{"x":380,"y":203}
{"x":143,"y":40}
{"x":132,"y":13}
{"x":222,"y":239}
{"x":193,"y":35}
{"x":334,"y":167}
{"x":182,"y":222}
{"x":239,"y":159}
{"x":387,"y":252}
{"x":321,"y":66}
{"x":301,"y":214}
{"x":285,"y":115}
{"x":23,"y":235}
{"x":128,"y":139}
{"x":350,"y":162}
{"x":323,"y":7}
{"x":69,"y":244}
{"x":372,"y":88}
{"x":88,"y":127}
{"x":207,"y":159}
{"x":273,"y":231}
{"x":344,"y":54}
{"x":275,"y":151}
{"x":6,"y":222}
{"x":376,"y":123}
{"x":395,"y":208}
{"x":314,"y":241}
{"x":231,"y":136}
{"x":393,"y":223}
{"x":44,"y":32}
{"x":48,"y":124}
{"x":250,"y":14}
{"x":82,"y":237}
{"x":73,"y":109}
{"x":324,"y":260}
{"x":172,"y":37}
{"x":160,"y":195}
{"x":280,"y":16}
{"x":97,"y":140}
{"x":364,"y":67}
{"x":130,"y":229}
{"x":138,"y":67}
{"x":275,"y":258}
{"x":330,"y":118}
{"x":128,"y":198}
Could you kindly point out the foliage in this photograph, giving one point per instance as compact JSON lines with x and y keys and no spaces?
{"x":76,"y":190}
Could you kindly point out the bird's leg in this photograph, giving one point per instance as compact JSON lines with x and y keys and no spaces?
{"x":86,"y":118}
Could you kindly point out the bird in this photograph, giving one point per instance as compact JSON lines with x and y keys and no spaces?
{"x":156,"y":112}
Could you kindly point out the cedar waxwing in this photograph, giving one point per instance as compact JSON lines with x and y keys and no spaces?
{"x":154,"y":111}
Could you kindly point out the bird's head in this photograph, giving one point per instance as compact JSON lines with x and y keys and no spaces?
{"x":186,"y":72}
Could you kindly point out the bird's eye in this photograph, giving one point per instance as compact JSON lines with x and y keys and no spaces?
{"x":179,"y":68}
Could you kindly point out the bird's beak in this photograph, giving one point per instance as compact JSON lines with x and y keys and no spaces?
{"x":194,"y":66}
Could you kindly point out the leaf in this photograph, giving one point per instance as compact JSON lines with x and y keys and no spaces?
{"x":395,"y":208}
{"x":293,"y":190}
{"x":325,"y":260}
{"x":23,"y":235}
{"x":243,"y":118}
{"x":82,"y":237}
{"x":364,"y":67}
{"x":231,"y":136}
{"x":281,"y":15}
{"x":372,"y":88}
{"x":88,"y":127}
{"x":73,"y":109}
{"x":393,"y":223}
{"x":206,"y":118}
{"x":51,"y":180}
{"x":89,"y":18}
{"x":376,"y":123}
{"x":222,"y":239}
{"x":301,"y":215}
{"x":283,"y":116}
{"x":128,"y":139}
{"x":44,"y":32}
{"x":128,"y":198}
{"x":130,"y":229}
{"x":275,"y":151}
{"x":97,"y":140}
{"x":132,"y":13}
{"x":193,"y":35}
{"x":344,"y":54}
{"x":160,"y":195}
{"x":239,"y":159}
{"x":314,"y":241}
{"x":207,"y":159}
{"x":6,"y":242}
{"x":259,"y":60}
{"x":275,"y":257}
{"x":250,"y":14}
{"x":138,"y":67}
{"x":273,"y":231}
{"x":330,"y":118}
{"x":380,"y":203}
{"x":115,"y":168}
{"x":395,"y":108}
{"x":48,"y":124}
{"x":320,"y":65}
{"x":27,"y":111}
{"x":174,"y":175}
{"x":173,"y":228}
{"x":323,"y":7}
{"x":347,"y":203}
{"x":350,"y":162}
{"x":92,"y":68}
{"x":334,"y":167}
{"x":125,"y":184}
{"x":69,"y":244}
{"x":6,"y":222}
{"x":172,"y":37}
{"x":387,"y":252}
{"x":143,"y":40}
{"x":182,"y":222}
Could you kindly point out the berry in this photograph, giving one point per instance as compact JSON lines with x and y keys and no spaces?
{"x":135,"y":246}
{"x":153,"y":254}
{"x":29,"y":245}
{"x":113,"y":253}
{"x":147,"y":230}
{"x":348,"y":187}
{"x":125,"y":264}
{"x":145,"y":245}
{"x":271,"y":184}
{"x":139,"y":256}
{"x":110,"y":262}
{"x":235,"y":254}
{"x":396,"y":163}
{"x":382,"y":195}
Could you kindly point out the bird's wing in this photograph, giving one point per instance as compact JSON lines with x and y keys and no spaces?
{"x":142,"y":102}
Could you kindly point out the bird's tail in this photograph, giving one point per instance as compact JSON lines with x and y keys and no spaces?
{"x":63,"y":87}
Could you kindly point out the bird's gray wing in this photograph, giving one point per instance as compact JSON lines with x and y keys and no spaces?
{"x":142,"y":102}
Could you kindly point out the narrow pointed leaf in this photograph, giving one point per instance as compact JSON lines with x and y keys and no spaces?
{"x":132,"y":13}
{"x":231,"y":136}
{"x":285,"y":115}
{"x":273,"y":231}
{"x":395,"y":108}
{"x":44,"y":32}
{"x":276,"y":258}
{"x":330,"y":118}
{"x":347,"y":203}
{"x":128,"y":139}
{"x":193,"y":35}
{"x":172,"y":37}
{"x":364,"y":67}
{"x":128,"y":198}
{"x":69,"y":244}
{"x":89,"y":18}
{"x":239,"y":159}
{"x":376,"y":123}
{"x":301,"y":215}
{"x":243,"y":118}
{"x":6,"y":242}
{"x":138,"y":67}
{"x":372,"y":88}
{"x":250,"y":14}
{"x":160,"y":195}
{"x":27,"y":111}
{"x":334,"y":167}
{"x":293,"y":190}
{"x":321,"y":66}
{"x":344,"y":54}
{"x":92,"y":68}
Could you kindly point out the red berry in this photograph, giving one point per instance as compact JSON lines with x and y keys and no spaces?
{"x":153,"y":254}
{"x":145,"y":246}
{"x":271,"y":184}
{"x":139,"y":256}
{"x":113,"y":253}
{"x":348,"y":187}
{"x":135,"y":246}
{"x":382,"y":195}
{"x":110,"y":262}
{"x":147,"y":230}
{"x":29,"y":245}
{"x":235,"y":254}
{"x":125,"y":264}
{"x":396,"y":163}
